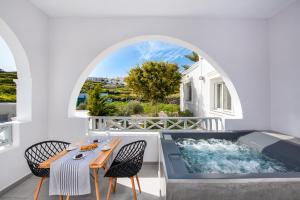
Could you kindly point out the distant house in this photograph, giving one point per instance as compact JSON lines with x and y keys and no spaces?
{"x":118,"y":81}
{"x":204,"y":92}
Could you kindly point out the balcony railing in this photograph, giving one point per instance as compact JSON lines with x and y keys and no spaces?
{"x":155,"y":123}
{"x":5,"y":133}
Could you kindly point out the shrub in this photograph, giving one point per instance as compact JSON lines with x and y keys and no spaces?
{"x":98,"y":105}
{"x":186,"y":113}
{"x":135,"y":107}
{"x":81,"y":106}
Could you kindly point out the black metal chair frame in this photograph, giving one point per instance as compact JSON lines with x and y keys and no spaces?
{"x":127,"y":163}
{"x":40,"y":152}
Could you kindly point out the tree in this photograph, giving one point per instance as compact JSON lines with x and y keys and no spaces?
{"x":98,"y":105}
{"x":193,"y":57}
{"x":186,"y":67}
{"x":154,"y":81}
{"x":88,"y":86}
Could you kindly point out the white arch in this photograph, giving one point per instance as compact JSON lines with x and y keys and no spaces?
{"x":106,"y":52}
{"x":24,"y":82}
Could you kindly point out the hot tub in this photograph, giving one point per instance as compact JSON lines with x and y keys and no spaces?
{"x":229,"y":165}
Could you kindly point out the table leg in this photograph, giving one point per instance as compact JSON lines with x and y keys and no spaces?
{"x":96,"y":178}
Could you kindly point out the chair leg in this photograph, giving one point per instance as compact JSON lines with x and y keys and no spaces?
{"x":133,"y":187}
{"x":138,"y":182}
{"x":115,"y":185}
{"x":38,"y":188}
{"x":110,"y":187}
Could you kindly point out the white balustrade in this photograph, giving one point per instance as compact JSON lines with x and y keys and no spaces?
{"x":101,"y":123}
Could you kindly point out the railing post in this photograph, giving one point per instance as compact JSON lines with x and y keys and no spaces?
{"x":165,"y":123}
{"x":145,"y":124}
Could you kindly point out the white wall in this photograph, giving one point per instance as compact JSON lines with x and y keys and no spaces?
{"x":238,"y":46}
{"x":200,"y":105}
{"x":30,"y":27}
{"x":284,"y":45}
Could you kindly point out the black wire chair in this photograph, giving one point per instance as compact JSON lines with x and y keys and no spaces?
{"x":40,"y":152}
{"x":127,"y":163}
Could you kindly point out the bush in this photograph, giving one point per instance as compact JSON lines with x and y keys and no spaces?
{"x":186,"y":113}
{"x":7,"y":98}
{"x":135,"y":107}
{"x":98,"y":105}
{"x":81,"y":106}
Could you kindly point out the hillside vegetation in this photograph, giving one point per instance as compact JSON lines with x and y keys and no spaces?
{"x":7,"y":86}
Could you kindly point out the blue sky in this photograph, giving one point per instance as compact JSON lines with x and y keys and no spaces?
{"x":7,"y":61}
{"x":118,"y":63}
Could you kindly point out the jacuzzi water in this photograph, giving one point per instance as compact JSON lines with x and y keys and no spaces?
{"x":225,"y":157}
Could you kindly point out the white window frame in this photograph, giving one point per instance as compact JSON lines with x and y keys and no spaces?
{"x":214,"y":100}
{"x":188,"y":92}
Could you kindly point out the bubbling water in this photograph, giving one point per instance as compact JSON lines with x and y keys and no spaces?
{"x":225,"y":157}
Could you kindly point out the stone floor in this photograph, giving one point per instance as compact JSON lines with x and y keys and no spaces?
{"x":148,"y":179}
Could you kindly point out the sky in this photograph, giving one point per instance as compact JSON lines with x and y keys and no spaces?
{"x":7,"y":61}
{"x":118,"y":63}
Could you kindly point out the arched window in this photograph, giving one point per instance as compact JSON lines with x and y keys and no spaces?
{"x":15,"y":88}
{"x":201,"y":79}
{"x":8,"y":75}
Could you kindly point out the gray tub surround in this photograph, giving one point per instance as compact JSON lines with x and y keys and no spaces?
{"x":178,"y":183}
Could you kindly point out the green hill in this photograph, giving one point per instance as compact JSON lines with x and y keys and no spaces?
{"x":7,"y":86}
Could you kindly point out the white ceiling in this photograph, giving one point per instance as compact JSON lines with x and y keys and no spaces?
{"x":184,"y":8}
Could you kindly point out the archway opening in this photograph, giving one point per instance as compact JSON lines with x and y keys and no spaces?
{"x":16,"y":58}
{"x":205,"y":89}
{"x":8,"y":74}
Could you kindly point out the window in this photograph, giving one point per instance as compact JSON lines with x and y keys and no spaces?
{"x":188,"y":93}
{"x":221,"y":97}
{"x":5,"y":134}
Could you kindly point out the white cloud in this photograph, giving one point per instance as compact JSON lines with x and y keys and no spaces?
{"x":156,"y":50}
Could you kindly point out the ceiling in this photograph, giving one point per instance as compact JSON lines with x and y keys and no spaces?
{"x":260,"y":9}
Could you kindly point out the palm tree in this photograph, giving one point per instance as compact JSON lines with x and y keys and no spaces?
{"x":193,"y":57}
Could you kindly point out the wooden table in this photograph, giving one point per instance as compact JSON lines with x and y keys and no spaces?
{"x":97,"y":163}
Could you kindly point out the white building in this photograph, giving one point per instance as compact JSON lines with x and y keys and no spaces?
{"x":204,"y":92}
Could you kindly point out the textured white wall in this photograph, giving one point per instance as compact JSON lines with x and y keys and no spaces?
{"x":284,"y":40}
{"x":30,"y":27}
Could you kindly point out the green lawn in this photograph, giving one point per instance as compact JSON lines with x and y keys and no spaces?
{"x":8,"y":86}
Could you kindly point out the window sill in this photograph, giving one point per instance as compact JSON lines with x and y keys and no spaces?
{"x":6,"y":148}
{"x":80,"y":114}
{"x":222,"y":113}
